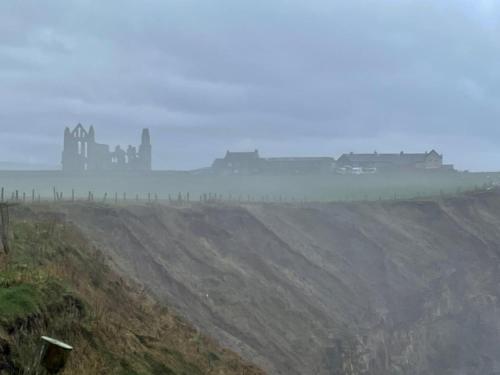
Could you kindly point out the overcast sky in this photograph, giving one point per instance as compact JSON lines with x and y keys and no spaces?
{"x":310,"y":77}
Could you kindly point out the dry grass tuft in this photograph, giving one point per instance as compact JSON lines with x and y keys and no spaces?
{"x":66,"y":290}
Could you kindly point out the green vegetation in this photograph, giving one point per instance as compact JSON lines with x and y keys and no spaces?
{"x":53,"y":283}
{"x":332,"y":187}
{"x":19,"y":300}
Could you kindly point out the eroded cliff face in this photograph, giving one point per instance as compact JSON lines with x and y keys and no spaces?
{"x":407,"y":287}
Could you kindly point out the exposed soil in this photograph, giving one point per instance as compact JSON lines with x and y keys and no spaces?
{"x":404,"y":287}
{"x":54,"y":283}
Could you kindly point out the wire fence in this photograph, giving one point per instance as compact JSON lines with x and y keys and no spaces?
{"x":181,"y":198}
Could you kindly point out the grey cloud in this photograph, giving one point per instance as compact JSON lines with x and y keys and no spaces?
{"x":269,"y":74}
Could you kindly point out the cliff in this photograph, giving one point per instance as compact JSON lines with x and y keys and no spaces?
{"x":55,"y":283}
{"x":390,"y":287}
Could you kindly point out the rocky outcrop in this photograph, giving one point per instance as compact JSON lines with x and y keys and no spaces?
{"x":405,"y":287}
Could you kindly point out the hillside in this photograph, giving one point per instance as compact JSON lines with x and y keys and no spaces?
{"x":388,"y":287}
{"x":54,"y":283}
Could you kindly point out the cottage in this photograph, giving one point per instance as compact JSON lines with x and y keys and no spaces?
{"x":239,"y":163}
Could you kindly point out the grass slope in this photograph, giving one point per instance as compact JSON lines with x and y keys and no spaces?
{"x":55,"y":284}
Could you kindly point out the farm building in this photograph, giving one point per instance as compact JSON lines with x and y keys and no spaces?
{"x":398,"y":161}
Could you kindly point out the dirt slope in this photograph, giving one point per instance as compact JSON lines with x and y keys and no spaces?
{"x":54,"y":283}
{"x":407,"y":287}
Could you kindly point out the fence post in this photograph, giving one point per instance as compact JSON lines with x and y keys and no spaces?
{"x":4,"y":213}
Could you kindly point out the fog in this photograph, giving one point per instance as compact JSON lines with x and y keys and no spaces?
{"x":291,"y":78}
{"x":250,"y":187}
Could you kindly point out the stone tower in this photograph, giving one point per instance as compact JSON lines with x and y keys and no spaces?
{"x":145,"y":151}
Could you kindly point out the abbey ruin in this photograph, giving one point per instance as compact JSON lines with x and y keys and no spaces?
{"x":82,"y":153}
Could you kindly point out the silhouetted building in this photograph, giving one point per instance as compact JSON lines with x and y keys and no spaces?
{"x":401,"y":161}
{"x":299,"y":165}
{"x":252,"y":163}
{"x":82,"y":153}
{"x":145,"y":151}
{"x":239,"y":163}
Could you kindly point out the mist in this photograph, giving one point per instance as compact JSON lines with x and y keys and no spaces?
{"x":287,"y":78}
{"x":271,"y":187}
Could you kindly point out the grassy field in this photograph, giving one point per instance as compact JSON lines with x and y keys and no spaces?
{"x":165,"y":185}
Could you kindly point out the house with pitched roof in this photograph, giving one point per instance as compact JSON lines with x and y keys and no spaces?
{"x":246,"y":163}
{"x":252,"y":163}
{"x":239,"y":163}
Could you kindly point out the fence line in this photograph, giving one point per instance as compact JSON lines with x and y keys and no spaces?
{"x":117,"y":198}
{"x":212,"y":197}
